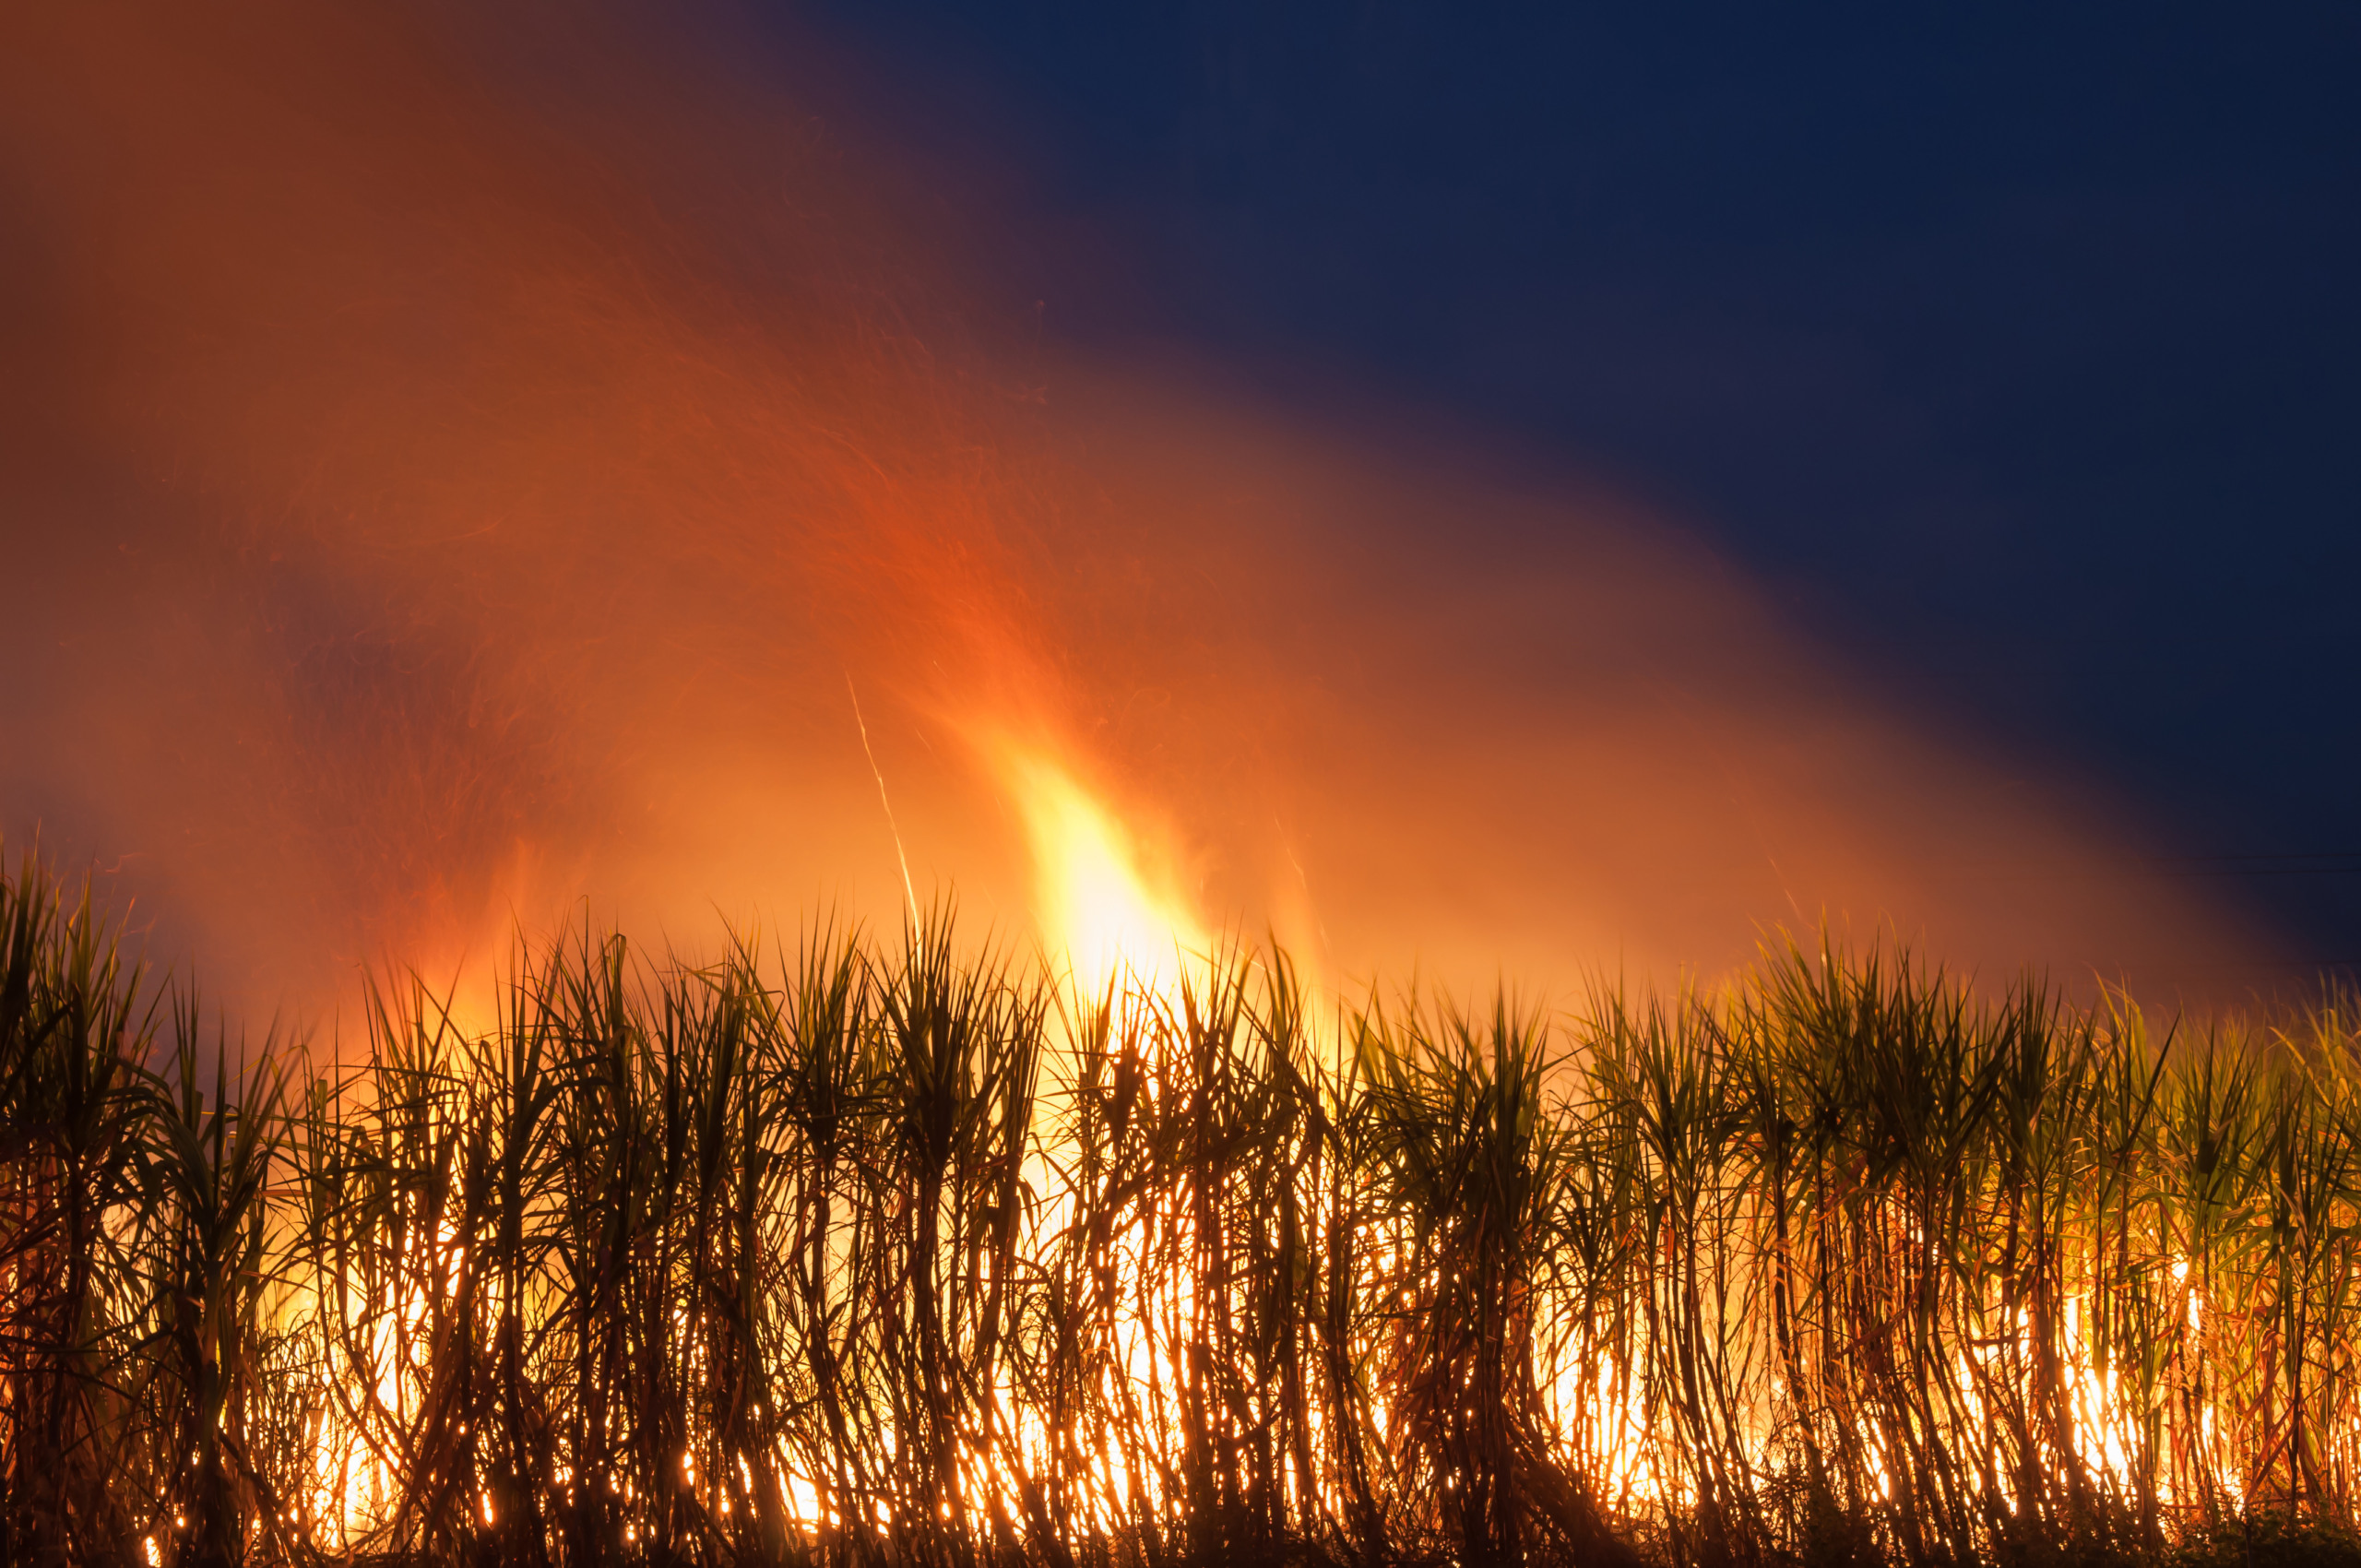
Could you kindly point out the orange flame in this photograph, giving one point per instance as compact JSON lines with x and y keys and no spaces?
{"x":1107,"y":895}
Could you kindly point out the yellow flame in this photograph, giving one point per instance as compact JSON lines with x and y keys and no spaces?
{"x":1107,"y":900}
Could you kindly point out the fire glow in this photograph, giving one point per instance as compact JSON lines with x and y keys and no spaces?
{"x":468,"y":507}
{"x":1109,"y":913}
{"x":1020,"y":1259}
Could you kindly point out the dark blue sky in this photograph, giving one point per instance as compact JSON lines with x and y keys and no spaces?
{"x":2015,"y":348}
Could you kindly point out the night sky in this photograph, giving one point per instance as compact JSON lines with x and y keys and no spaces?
{"x":2013,"y":348}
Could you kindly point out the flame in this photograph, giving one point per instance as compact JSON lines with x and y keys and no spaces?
{"x":1106,"y":894}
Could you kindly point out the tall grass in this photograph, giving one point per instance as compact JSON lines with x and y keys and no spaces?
{"x":903,"y":1252}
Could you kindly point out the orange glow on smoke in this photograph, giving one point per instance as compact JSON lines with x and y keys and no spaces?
{"x":467,"y":488}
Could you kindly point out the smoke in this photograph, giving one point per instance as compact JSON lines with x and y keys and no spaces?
{"x":452,"y":469}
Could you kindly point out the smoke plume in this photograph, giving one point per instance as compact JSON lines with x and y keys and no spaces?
{"x":451,"y":470}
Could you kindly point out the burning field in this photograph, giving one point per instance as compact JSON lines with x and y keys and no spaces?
{"x":713,"y":774}
{"x":908,"y":1252}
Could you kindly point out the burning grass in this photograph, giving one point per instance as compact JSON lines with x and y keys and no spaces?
{"x":896,"y":1252}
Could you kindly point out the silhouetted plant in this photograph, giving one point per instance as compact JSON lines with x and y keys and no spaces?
{"x":885,"y":1252}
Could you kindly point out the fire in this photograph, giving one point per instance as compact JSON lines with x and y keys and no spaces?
{"x":1106,"y":894}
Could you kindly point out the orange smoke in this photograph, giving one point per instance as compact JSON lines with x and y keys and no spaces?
{"x":460,"y":466}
